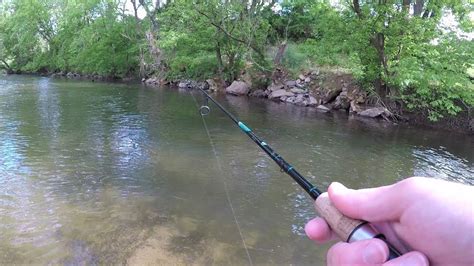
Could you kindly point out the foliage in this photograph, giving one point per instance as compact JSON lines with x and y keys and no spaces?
{"x":436,"y":78}
{"x":397,"y":47}
{"x":87,"y":37}
{"x":213,"y":38}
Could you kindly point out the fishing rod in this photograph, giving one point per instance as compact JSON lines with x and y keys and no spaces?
{"x":348,"y":229}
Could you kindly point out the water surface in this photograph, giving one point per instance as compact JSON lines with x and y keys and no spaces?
{"x":94,"y":173}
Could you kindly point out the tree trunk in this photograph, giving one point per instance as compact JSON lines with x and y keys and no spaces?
{"x":7,"y":66}
{"x":142,"y":70}
{"x":406,"y":6}
{"x":418,"y":8}
{"x":154,"y":50}
{"x":220,"y":64}
{"x":356,"y":6}
{"x":380,"y":88}
{"x":231,"y":66}
{"x":379,"y":43}
{"x":280,"y":53}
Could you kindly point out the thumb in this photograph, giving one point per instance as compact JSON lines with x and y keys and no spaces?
{"x":372,"y":204}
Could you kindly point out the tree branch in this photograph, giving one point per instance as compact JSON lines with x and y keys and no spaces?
{"x":356,"y":7}
{"x":6,"y":64}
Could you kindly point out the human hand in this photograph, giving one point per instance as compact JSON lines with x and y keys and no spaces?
{"x":430,"y":221}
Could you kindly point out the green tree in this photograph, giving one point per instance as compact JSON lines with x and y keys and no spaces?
{"x":395,"y":42}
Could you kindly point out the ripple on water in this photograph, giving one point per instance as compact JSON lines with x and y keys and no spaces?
{"x":438,"y":162}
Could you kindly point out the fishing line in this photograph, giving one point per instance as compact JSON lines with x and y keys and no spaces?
{"x":348,"y":229}
{"x":204,"y":110}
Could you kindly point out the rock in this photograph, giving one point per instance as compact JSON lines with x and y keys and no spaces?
{"x":299,"y":85}
{"x":275,"y":87}
{"x":290,"y":99}
{"x":322,"y":108}
{"x":280,"y":93}
{"x":331,"y":95}
{"x":183,"y":84}
{"x":302,"y":103}
{"x":307,"y":80}
{"x":238,"y":88}
{"x":75,"y":76}
{"x":355,"y":108}
{"x":283,"y":98}
{"x":290,"y":83}
{"x":297,"y":91}
{"x":315,"y":72}
{"x":258,"y":94}
{"x":202,"y":85}
{"x":150,"y":81}
{"x":193,"y":84}
{"x":374,"y":112}
{"x":69,"y":75}
{"x":301,"y":76}
{"x":360,"y":98}
{"x":342,"y":102}
{"x":300,"y":100}
{"x":312,"y":101}
{"x":212,"y":85}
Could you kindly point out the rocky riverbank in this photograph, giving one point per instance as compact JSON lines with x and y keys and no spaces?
{"x":325,"y":93}
{"x":91,"y":77}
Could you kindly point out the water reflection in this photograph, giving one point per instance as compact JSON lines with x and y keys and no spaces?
{"x":110,"y":174}
{"x":442,"y":164}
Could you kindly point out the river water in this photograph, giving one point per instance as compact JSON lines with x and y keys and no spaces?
{"x":94,"y":173}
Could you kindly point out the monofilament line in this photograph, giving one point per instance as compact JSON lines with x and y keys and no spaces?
{"x":219,"y":166}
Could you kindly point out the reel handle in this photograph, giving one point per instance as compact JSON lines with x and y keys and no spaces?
{"x":348,"y":229}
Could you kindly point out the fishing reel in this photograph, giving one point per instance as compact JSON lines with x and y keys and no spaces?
{"x":204,"y":109}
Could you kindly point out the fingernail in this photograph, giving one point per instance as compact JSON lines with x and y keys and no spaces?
{"x":338,"y":188}
{"x":374,"y":253}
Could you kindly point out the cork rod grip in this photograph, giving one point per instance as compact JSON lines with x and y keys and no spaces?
{"x":339,"y":223}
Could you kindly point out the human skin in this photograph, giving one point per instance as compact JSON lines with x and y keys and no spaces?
{"x":430,"y":221}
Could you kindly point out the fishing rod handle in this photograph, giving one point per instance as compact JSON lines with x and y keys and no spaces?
{"x":348,"y":229}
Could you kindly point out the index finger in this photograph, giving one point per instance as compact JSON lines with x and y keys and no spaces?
{"x":319,"y":231}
